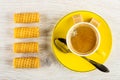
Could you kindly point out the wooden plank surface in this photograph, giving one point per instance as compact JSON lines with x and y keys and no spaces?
{"x":51,"y":11}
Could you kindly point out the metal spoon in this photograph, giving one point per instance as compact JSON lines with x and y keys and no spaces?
{"x":62,"y":46}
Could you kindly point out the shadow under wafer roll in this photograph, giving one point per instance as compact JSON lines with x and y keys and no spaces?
{"x":26,"y":62}
{"x":26,"y":47}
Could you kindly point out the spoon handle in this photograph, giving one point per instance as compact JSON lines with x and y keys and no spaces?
{"x":99,"y":66}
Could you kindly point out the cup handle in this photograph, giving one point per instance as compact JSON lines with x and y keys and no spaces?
{"x":77,"y":19}
{"x":94,"y":22}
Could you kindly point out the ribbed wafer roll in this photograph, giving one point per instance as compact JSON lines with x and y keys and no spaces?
{"x":26,"y":62}
{"x":27,"y":17}
{"x":26,"y":47}
{"x":26,"y":32}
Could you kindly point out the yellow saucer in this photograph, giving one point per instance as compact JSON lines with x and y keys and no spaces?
{"x":73,"y":61}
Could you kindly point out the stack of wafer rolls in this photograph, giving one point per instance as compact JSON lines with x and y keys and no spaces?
{"x":24,"y":32}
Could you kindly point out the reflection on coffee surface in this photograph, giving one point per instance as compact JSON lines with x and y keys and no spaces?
{"x":83,"y":39}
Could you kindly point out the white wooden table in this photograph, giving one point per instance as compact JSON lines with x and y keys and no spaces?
{"x":51,"y":11}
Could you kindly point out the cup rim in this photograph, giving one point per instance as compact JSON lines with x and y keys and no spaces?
{"x":69,"y":34}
